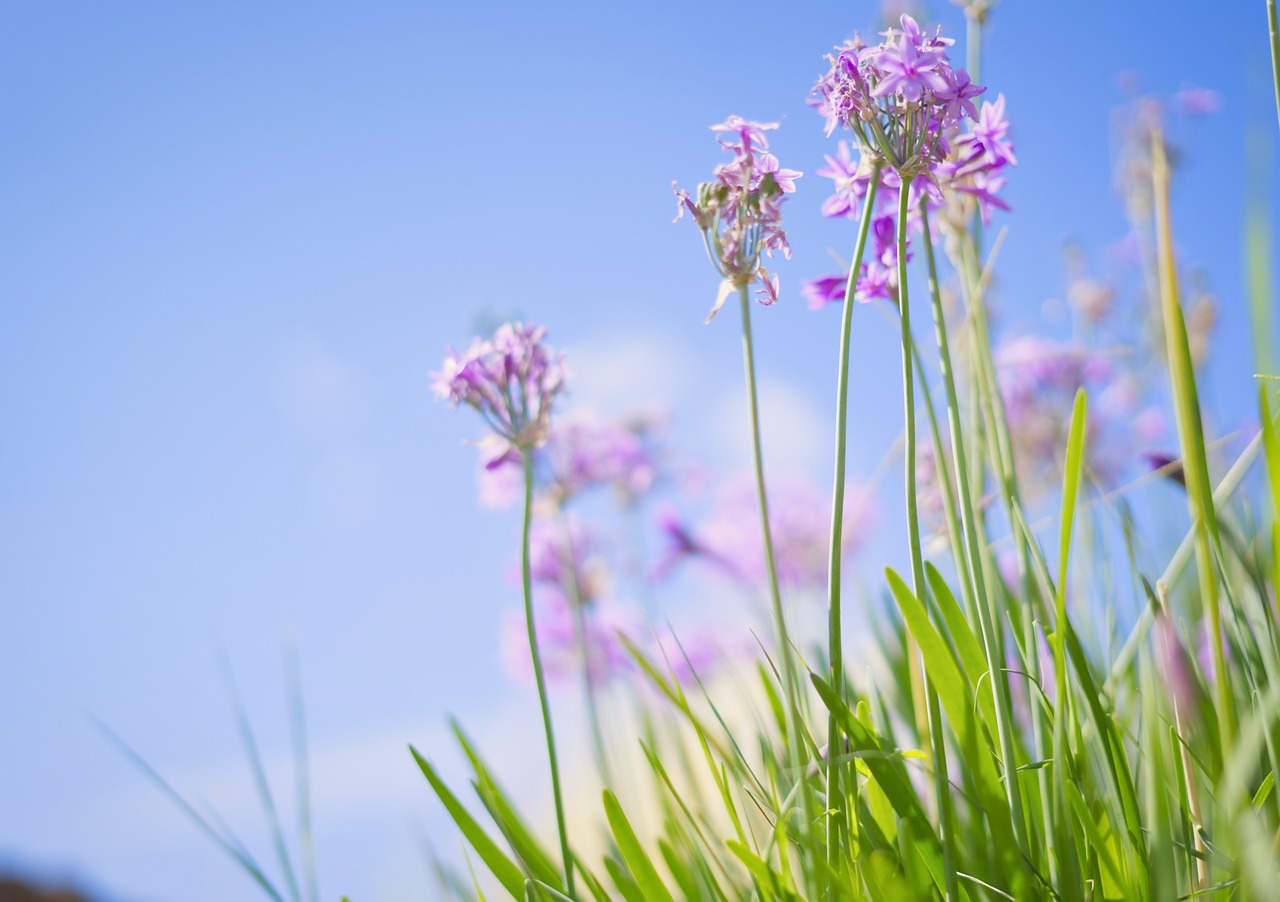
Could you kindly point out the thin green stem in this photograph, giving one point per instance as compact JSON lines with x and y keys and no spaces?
{"x":785,"y":661}
{"x":835,"y":645}
{"x":526,"y":579}
{"x":987,"y":609}
{"x":938,"y":747}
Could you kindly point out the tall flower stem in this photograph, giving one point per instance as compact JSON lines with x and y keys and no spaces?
{"x":834,"y":640}
{"x":988,"y":611}
{"x":574,"y":591}
{"x":526,"y":578}
{"x":1273,"y":27}
{"x":938,"y":748}
{"x":785,"y":662}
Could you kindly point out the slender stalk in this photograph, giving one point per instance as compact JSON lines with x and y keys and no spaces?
{"x":938,"y":748}
{"x":298,"y":733}
{"x":988,"y":613}
{"x":775,"y":595}
{"x":1273,"y":26}
{"x":574,"y":592}
{"x":526,"y":578}
{"x":835,"y":740}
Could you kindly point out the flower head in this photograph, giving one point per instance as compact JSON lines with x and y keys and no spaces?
{"x":511,"y":379}
{"x":897,"y":97}
{"x":740,"y":211}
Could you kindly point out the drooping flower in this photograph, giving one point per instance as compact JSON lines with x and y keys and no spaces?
{"x":740,"y":211}
{"x":512,"y":380}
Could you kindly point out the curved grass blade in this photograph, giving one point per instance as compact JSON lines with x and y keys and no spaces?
{"x":637,"y":861}
{"x":263,"y":787}
{"x":234,"y":850}
{"x":510,"y":876}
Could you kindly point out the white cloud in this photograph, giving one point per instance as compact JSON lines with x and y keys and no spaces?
{"x":622,"y":374}
{"x":797,"y":437}
{"x":318,"y":392}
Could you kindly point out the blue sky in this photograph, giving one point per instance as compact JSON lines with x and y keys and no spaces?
{"x":235,"y":237}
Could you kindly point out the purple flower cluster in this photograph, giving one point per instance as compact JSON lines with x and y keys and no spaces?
{"x":878,"y":276}
{"x":585,"y":452}
{"x":740,"y":211}
{"x":729,"y":537}
{"x":1038,"y":381}
{"x":898,"y":98}
{"x":906,"y":107}
{"x":512,"y":379}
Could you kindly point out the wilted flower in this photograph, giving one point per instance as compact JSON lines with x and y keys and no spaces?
{"x":740,"y":211}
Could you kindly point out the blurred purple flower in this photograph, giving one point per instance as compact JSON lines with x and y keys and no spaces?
{"x":824,"y":290}
{"x":583,"y":452}
{"x":729,"y":537}
{"x":1038,"y":381}
{"x":512,"y":380}
{"x":1197,"y":102}
{"x":557,"y":631}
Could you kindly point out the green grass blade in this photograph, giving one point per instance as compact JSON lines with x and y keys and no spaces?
{"x":493,"y":857}
{"x":637,"y":861}
{"x":261,"y":784}
{"x":232,"y":849}
{"x":302,"y":769}
{"x":955,"y":696}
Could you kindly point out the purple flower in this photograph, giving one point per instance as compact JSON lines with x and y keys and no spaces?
{"x":563,"y":555}
{"x":750,"y":135}
{"x":898,"y":98}
{"x":729,"y":537}
{"x":512,"y":380}
{"x":1197,"y":102}
{"x":698,"y":653}
{"x":1176,"y":668}
{"x":740,"y":211}
{"x":876,"y":283}
{"x":984,"y":188}
{"x":1038,"y":381}
{"x":990,"y":132}
{"x":908,"y":68}
{"x":824,"y":290}
{"x":957,"y":97}
{"x":555,"y":624}
{"x":844,"y":172}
